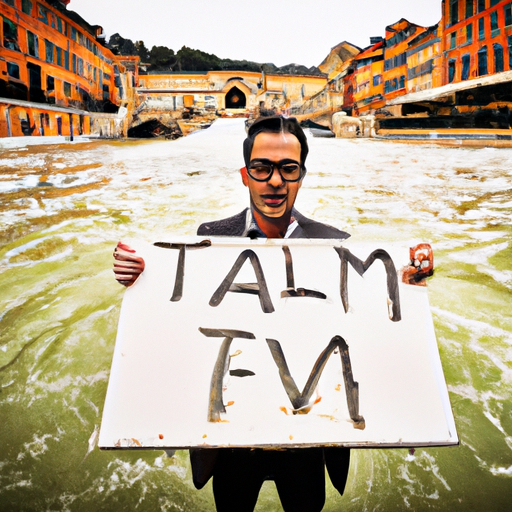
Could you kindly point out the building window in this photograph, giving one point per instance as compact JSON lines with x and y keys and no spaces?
{"x":469,"y":8}
{"x":13,"y":70}
{"x":469,"y":32}
{"x":401,"y":85}
{"x":66,"y":60}
{"x":494,"y":24}
{"x":454,"y":11}
{"x":509,"y":41}
{"x":377,"y":80}
{"x":481,"y":29}
{"x":498,"y":57}
{"x":26,"y":6}
{"x":50,"y":83}
{"x":397,"y":60}
{"x":508,"y":14}
{"x":9,"y":2}
{"x":482,"y":61}
{"x":495,"y":2}
{"x":32,"y":44}
{"x":481,"y":5}
{"x":453,"y":40}
{"x":50,"y":51}
{"x":42,"y":14}
{"x":74,"y":63}
{"x":67,"y":89}
{"x":45,"y":119}
{"x":451,"y":70}
{"x":10,"y":35}
{"x":466,"y":62}
{"x":59,"y":56}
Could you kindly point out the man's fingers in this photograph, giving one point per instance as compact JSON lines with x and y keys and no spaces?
{"x":127,"y":265}
{"x":123,"y":276}
{"x":123,"y":247}
{"x":125,"y":279}
{"x":126,"y":256}
{"x":127,"y":271}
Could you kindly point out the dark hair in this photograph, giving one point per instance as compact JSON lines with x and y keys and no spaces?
{"x":276,"y":124}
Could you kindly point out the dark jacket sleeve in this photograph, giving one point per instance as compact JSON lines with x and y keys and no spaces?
{"x":232,"y":226}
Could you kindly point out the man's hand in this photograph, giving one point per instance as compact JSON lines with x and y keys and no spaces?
{"x":420,"y":267}
{"x":127,"y":265}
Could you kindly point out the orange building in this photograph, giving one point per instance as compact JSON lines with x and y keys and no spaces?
{"x":476,"y":69}
{"x":398,"y":36}
{"x":424,"y":60}
{"x":54,"y":70}
{"x":369,"y":87}
{"x":477,"y":38}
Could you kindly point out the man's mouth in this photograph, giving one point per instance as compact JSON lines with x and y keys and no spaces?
{"x":273,"y":200}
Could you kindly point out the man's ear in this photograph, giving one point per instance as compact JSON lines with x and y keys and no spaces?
{"x":245,"y":178}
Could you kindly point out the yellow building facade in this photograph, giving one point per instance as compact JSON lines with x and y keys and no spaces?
{"x":225,"y":90}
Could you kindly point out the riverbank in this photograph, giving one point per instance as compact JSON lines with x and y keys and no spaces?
{"x":471,"y":138}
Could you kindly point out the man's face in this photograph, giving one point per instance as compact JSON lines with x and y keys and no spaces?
{"x":275,"y":197}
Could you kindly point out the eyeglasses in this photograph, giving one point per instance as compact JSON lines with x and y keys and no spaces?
{"x":262,"y":170}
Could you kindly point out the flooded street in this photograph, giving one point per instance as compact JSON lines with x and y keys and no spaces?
{"x":64,"y":207}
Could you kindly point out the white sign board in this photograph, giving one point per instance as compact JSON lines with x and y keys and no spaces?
{"x":240,"y":343}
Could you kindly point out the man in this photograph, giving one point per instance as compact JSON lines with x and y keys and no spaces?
{"x":275,"y":152}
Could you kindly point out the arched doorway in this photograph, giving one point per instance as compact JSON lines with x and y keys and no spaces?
{"x":235,"y":98}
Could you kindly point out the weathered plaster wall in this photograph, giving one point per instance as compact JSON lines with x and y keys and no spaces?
{"x":209,"y":90}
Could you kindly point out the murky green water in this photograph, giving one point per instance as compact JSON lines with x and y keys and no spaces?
{"x":63,"y":208}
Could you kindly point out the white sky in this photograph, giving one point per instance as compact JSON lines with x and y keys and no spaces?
{"x":278,"y":31}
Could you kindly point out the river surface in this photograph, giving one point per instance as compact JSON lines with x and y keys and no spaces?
{"x":64,"y":207}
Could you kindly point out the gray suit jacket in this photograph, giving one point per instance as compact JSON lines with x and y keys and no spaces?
{"x":336,"y":459}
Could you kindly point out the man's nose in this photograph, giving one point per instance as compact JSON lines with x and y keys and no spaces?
{"x":276,"y":180}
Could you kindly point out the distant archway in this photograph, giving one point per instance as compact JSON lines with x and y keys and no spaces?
{"x":235,"y":98}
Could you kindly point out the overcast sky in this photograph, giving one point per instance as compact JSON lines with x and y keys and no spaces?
{"x":278,"y":31}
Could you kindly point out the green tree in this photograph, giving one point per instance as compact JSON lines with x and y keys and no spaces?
{"x":114,"y":43}
{"x":128,"y":48}
{"x":239,"y":65}
{"x":196,"y":60}
{"x":121,"y":46}
{"x":161,"y":58}
{"x":142,"y":51}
